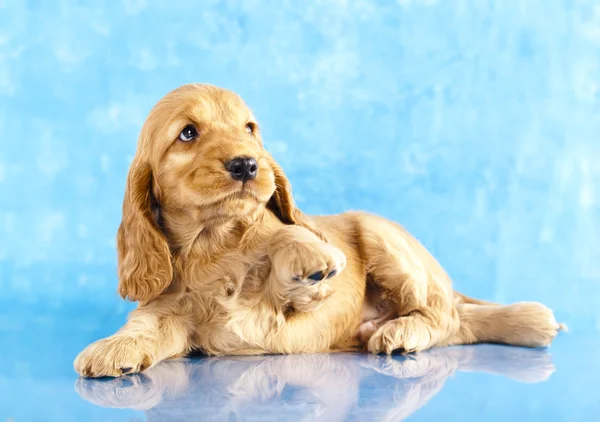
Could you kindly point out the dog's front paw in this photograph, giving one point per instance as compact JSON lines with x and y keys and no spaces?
{"x":305,"y":298}
{"x":407,"y":334}
{"x":310,"y":262}
{"x":300,"y":265}
{"x":303,"y":268}
{"x":114,"y":356}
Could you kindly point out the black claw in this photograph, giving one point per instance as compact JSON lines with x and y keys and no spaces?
{"x":126,"y":370}
{"x":318,"y":276}
{"x":297,"y":278}
{"x":331,"y":274}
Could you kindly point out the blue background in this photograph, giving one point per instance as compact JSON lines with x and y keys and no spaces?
{"x":475,"y":123}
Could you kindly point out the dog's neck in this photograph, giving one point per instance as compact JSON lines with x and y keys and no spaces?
{"x":193,"y":234}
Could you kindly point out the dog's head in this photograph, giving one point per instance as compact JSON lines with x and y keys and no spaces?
{"x":199,"y":151}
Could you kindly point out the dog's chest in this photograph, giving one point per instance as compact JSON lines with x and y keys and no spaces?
{"x":241,"y":316}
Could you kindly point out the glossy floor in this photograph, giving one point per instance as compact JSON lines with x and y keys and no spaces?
{"x":476,"y":383}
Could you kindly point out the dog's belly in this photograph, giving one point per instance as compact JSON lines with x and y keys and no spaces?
{"x":377,"y":308}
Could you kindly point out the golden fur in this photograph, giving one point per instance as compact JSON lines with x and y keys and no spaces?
{"x":226,"y":266}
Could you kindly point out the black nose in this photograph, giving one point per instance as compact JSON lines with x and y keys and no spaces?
{"x":242,"y":168}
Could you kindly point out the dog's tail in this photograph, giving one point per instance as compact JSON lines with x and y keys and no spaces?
{"x":528,"y":324}
{"x":466,"y":299}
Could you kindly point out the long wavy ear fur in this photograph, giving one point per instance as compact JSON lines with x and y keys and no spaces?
{"x":282,"y":203}
{"x":144,"y":259}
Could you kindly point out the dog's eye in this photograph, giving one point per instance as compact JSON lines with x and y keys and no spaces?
{"x":250,"y":128}
{"x":189,"y":133}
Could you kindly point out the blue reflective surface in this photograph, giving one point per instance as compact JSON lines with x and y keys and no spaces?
{"x":484,"y":382}
{"x":473,"y":123}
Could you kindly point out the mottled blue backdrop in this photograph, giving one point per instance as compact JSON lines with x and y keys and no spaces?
{"x":476,"y":124}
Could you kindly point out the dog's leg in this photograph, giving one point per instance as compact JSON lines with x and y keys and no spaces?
{"x":528,"y":324}
{"x":300,"y":265}
{"x":415,"y":284}
{"x":429,"y":312}
{"x":153,"y":333}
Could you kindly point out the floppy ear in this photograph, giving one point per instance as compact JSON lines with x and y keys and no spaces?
{"x":145,"y":268}
{"x":282,"y":203}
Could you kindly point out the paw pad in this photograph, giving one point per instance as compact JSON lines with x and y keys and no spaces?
{"x":317,"y":277}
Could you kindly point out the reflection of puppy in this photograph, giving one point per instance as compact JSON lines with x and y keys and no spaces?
{"x":519,"y":364}
{"x":427,"y":372}
{"x":327,"y":387}
{"x":323,"y":386}
{"x":213,"y":247}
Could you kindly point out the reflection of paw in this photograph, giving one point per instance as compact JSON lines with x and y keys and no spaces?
{"x":407,"y":334}
{"x":132,"y":392}
{"x":137,"y":391}
{"x":113,"y":356}
{"x":422,"y":365}
{"x":423,"y":377}
{"x":256,"y":386}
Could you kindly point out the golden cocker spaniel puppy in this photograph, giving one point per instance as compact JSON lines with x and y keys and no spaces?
{"x":221,"y":261}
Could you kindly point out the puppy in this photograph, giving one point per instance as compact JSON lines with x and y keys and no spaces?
{"x":221,"y":261}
